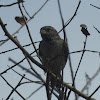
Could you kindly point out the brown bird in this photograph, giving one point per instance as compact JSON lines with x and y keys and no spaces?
{"x":53,"y":52}
{"x":20,"y":19}
{"x":84,"y":30}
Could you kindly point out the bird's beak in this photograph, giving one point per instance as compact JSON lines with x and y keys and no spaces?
{"x":43,"y":32}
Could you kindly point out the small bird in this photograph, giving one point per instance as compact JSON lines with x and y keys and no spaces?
{"x":53,"y":52}
{"x":84,"y":30}
{"x":20,"y":19}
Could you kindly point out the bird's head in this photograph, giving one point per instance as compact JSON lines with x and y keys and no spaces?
{"x":48,"y":33}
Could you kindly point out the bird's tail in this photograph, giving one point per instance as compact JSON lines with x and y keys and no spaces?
{"x":48,"y":86}
{"x":56,"y":81}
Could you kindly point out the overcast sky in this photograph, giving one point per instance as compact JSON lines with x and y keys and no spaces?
{"x":49,"y":15}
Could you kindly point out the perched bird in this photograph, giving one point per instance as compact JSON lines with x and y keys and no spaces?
{"x":84,"y":29}
{"x":53,"y":52}
{"x":20,"y":19}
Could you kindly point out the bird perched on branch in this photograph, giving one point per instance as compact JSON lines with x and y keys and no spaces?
{"x":53,"y":52}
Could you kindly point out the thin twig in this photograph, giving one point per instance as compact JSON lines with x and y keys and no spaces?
{"x":15,"y":87}
{"x":14,"y":65}
{"x":27,"y":21}
{"x":68,"y":22}
{"x":94,"y":91}
{"x":85,"y":51}
{"x":27,"y":28}
{"x":80,"y":59}
{"x":95,"y":6}
{"x":34,"y":92}
{"x":96,"y":29}
{"x":2,"y":40}
{"x":78,"y":66}
{"x":22,"y":75}
{"x":38,"y":64}
{"x":65,"y":39}
{"x":10,"y":4}
{"x":62,"y":20}
{"x":65,"y":93}
{"x":11,"y":67}
{"x":21,"y":48}
{"x":91,"y":79}
{"x":78,"y":92}
{"x":14,"y":49}
{"x":37,"y":82}
{"x":25,"y":10}
{"x":27,"y":70}
{"x":37,"y":74}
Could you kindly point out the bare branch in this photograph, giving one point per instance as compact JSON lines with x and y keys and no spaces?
{"x":27,"y":21}
{"x":12,"y":88}
{"x":94,"y":91}
{"x":91,"y":79}
{"x":26,"y":10}
{"x":24,"y":76}
{"x":15,"y":87}
{"x":23,"y":68}
{"x":27,"y":29}
{"x":65,"y":39}
{"x":34,"y":92}
{"x":78,"y":92}
{"x":96,"y":29}
{"x":10,"y":4}
{"x":68,"y":22}
{"x":95,"y":6}
{"x":13,"y":65}
{"x":37,"y":63}
{"x":23,"y":50}
{"x":80,"y":59}
{"x":14,"y":49}
{"x":85,"y":51}
{"x":28,"y":71}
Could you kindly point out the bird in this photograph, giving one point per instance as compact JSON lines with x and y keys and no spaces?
{"x":84,"y":30}
{"x":53,"y":52}
{"x":20,"y":19}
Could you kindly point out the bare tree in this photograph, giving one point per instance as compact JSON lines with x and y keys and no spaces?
{"x":29,"y":70}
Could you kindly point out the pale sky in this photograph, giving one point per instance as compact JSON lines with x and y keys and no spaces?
{"x":49,"y":15}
